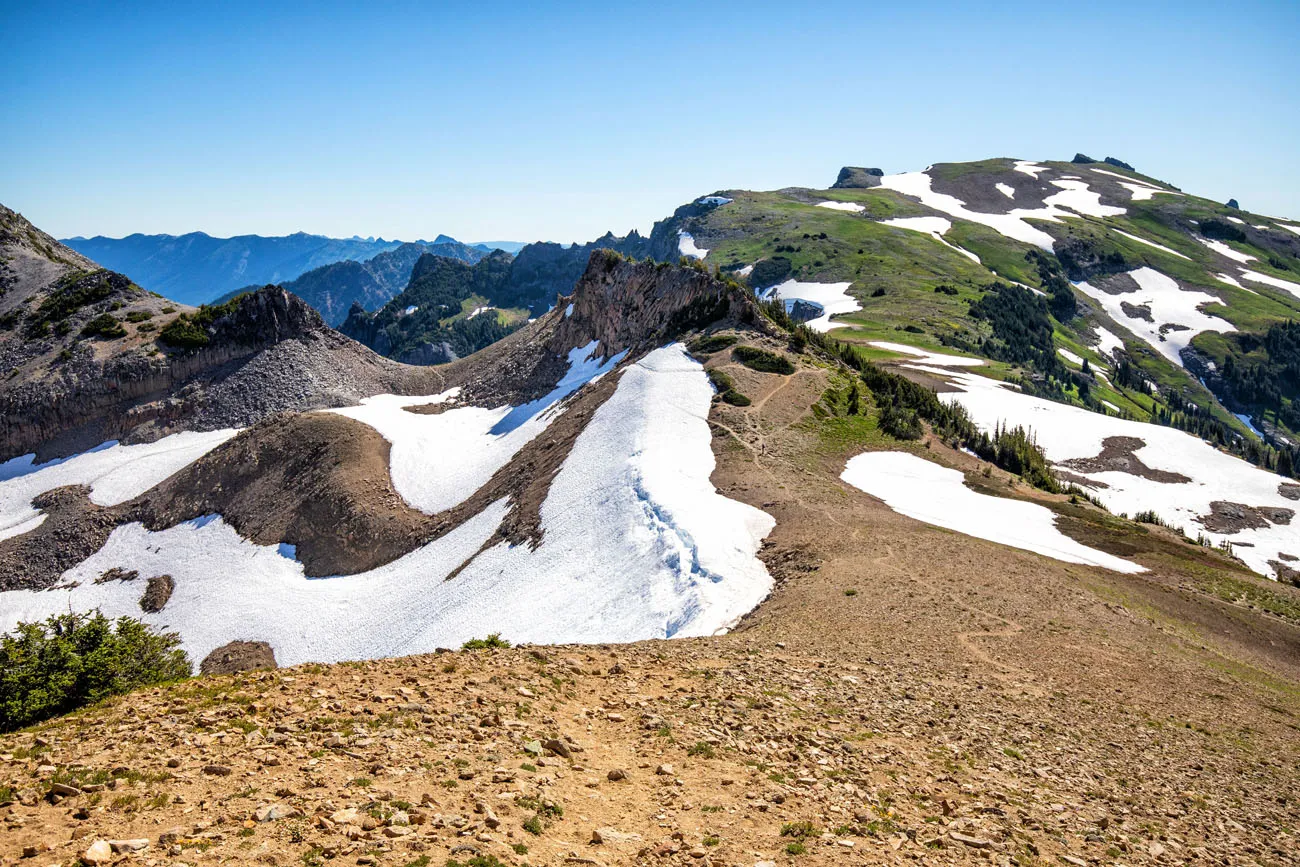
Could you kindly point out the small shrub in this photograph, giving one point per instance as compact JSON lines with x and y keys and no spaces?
{"x":762,"y":360}
{"x":721,"y":380}
{"x":702,"y":749}
{"x":138,"y":316}
{"x":103,"y":326}
{"x":800,"y":830}
{"x":492,"y":642}
{"x":850,"y":592}
{"x":712,"y":343}
{"x":482,"y":860}
{"x":945,"y":289}
{"x":795,"y":848}
{"x":735,"y":398}
{"x":73,"y":660}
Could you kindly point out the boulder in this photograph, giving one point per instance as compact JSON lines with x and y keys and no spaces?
{"x":238,"y":656}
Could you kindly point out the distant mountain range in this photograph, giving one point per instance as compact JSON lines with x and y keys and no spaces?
{"x":332,"y":289}
{"x":197,"y":268}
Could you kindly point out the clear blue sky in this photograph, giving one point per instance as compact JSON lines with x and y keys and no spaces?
{"x":544,"y":120}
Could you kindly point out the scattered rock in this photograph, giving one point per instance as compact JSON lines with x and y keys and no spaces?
{"x":99,"y":852}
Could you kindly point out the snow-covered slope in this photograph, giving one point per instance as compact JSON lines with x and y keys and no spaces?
{"x":1146,"y":467}
{"x":636,"y":544}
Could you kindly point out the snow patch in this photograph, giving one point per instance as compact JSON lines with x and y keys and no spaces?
{"x":1066,"y":432}
{"x":926,"y":357}
{"x":842,"y":206}
{"x":1069,"y":356}
{"x":938,"y":495}
{"x":115,"y":473}
{"x":1005,"y":190}
{"x":1108,"y":342}
{"x":832,"y":298}
{"x":1074,"y":199}
{"x":1160,"y":247}
{"x":1030,"y":168}
{"x":1269,"y":280}
{"x":686,"y":246}
{"x":1224,"y":250}
{"x":438,"y":461}
{"x":935,"y":227}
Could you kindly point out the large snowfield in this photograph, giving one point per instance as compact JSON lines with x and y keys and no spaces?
{"x":636,"y":544}
{"x":938,"y":495}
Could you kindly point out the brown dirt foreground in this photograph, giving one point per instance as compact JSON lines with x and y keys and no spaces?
{"x":964,"y":703}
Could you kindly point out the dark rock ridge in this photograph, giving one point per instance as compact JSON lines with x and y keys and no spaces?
{"x":532,"y":280}
{"x":633,"y":305}
{"x":270,"y":352}
{"x":856,"y":177}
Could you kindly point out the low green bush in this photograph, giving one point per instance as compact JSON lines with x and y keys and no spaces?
{"x":73,"y":660}
{"x":493,"y":641}
{"x":762,"y":360}
{"x":103,"y":326}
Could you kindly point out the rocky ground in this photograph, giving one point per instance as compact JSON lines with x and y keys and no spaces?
{"x":906,"y":695}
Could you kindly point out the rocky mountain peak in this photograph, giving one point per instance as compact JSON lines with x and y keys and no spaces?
{"x":626,"y":304}
{"x":856,"y":177}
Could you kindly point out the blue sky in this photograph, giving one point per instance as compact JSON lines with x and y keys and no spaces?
{"x":526,"y":121}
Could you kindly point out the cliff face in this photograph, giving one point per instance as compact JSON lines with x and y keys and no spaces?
{"x":634,"y":305}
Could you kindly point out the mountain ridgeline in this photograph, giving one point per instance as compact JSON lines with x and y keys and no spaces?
{"x":452,"y":308}
{"x":197,"y":268}
{"x":332,"y":289}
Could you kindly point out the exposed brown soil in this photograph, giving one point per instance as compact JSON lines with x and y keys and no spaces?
{"x":238,"y":656}
{"x":318,"y":481}
{"x":1117,"y":455}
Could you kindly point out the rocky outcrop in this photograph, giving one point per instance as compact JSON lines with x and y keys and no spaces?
{"x":238,"y":656}
{"x":634,"y":305}
{"x":855,"y":177}
{"x":1083,"y":258}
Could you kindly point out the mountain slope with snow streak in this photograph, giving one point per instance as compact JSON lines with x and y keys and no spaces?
{"x":636,"y":544}
{"x":1146,"y":467}
{"x":936,"y":495}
